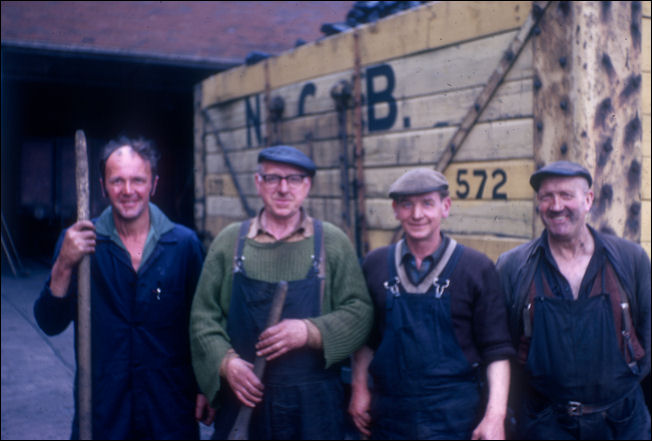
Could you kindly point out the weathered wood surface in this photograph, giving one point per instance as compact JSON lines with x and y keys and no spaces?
{"x":420,"y":76}
{"x":506,"y":62}
{"x":429,"y":27}
{"x":588,"y":106}
{"x":467,"y":217}
{"x":505,"y":139}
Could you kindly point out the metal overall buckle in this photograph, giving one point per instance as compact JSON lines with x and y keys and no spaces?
{"x":440,"y":287}
{"x":574,"y":408}
{"x":392,"y":286}
{"x":315,"y":262}
{"x":238,"y":264}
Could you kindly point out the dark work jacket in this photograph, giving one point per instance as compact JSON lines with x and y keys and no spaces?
{"x":630,"y":263}
{"x":143,"y":383}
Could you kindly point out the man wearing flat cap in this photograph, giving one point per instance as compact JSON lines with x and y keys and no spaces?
{"x":441,"y":326}
{"x":579,"y":303}
{"x":326,"y":316}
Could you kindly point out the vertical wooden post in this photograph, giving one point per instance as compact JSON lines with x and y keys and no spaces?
{"x":362,"y":235}
{"x":607,"y":47}
{"x":587,"y":92}
{"x":199,"y":166}
{"x":84,"y":365}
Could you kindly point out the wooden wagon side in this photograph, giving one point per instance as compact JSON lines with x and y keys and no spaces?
{"x":371,"y":103}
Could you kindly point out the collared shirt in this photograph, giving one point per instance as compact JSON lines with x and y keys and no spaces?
{"x":159,"y":224}
{"x":303,"y":230}
{"x":416,"y":275}
{"x":557,"y":281}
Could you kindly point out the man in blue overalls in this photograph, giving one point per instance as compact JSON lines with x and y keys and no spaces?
{"x":579,"y":306}
{"x":440,"y":326}
{"x":326,"y":317}
{"x":143,"y":274}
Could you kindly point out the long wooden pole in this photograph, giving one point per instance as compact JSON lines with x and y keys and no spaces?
{"x":84,"y":385}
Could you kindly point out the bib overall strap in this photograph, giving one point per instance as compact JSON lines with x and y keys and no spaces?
{"x":238,"y":258}
{"x":442,"y":281}
{"x":317,"y":257}
{"x":626,"y":321}
{"x":392,"y":284}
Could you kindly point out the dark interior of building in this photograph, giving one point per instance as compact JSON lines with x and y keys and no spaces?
{"x":48,"y":95}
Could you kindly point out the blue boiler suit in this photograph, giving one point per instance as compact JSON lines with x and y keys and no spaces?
{"x":143,"y":383}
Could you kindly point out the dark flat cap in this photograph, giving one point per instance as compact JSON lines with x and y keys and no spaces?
{"x":560,"y":168}
{"x":418,"y":181}
{"x":288,"y":155}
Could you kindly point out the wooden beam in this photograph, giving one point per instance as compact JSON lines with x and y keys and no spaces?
{"x":506,"y":62}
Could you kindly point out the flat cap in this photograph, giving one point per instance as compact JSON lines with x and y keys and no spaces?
{"x":559,"y":168}
{"x":418,"y":181}
{"x":288,"y":155}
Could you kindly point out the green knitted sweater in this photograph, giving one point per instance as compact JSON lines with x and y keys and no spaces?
{"x":346,"y":307}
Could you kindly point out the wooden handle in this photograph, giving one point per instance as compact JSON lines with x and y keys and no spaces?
{"x":240,"y":428}
{"x":84,"y":395}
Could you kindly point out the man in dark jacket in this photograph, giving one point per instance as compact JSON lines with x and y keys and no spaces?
{"x":579,"y":305}
{"x":440,"y":324}
{"x":144,"y":269}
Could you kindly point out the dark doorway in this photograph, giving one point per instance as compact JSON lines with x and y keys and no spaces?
{"x":47,"y":96}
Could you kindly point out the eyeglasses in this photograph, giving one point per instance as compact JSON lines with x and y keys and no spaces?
{"x":274,"y":180}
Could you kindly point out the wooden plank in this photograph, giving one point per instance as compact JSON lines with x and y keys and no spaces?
{"x":646,"y":8}
{"x":646,"y":49}
{"x":645,"y":93}
{"x":328,"y":209}
{"x":554,"y":127}
{"x":492,"y":246}
{"x":464,"y":20}
{"x":233,"y":83}
{"x":326,"y":56}
{"x":430,"y":26}
{"x":222,"y":185}
{"x":512,"y":184}
{"x":325,"y":154}
{"x":413,"y":77}
{"x":645,"y":221}
{"x":488,"y":141}
{"x":326,"y":183}
{"x":505,"y":63}
{"x":513,"y":100}
{"x":455,"y":67}
{"x":509,"y":219}
{"x":497,"y":140}
{"x":380,"y":238}
{"x":645,"y":179}
{"x":224,"y":205}
{"x":647,"y":136}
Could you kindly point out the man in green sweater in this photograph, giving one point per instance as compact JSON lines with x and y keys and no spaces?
{"x":327,"y":313}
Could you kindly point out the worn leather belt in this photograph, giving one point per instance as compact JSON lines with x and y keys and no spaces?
{"x":575,"y":408}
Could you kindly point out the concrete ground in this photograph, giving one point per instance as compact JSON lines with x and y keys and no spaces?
{"x":37,"y":370}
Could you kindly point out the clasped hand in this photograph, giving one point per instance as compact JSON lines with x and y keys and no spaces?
{"x":273,"y":342}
